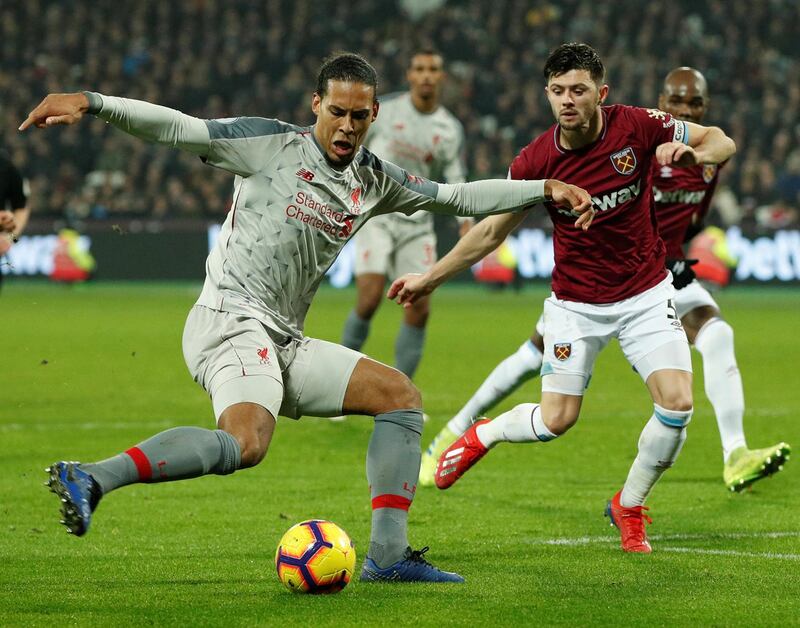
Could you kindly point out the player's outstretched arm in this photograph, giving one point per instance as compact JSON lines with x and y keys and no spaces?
{"x":145,"y":120}
{"x":476,"y":244}
{"x":496,"y":196}
{"x":707,"y":145}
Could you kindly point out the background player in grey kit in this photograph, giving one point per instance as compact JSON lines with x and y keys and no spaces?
{"x":421,"y":136}
{"x":299,"y":194}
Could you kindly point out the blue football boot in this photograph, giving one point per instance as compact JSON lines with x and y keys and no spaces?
{"x":79,"y":495}
{"x":412,"y":568}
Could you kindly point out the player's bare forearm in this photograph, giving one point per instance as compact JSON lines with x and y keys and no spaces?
{"x":707,"y":145}
{"x":714,"y":147}
{"x":481,"y":240}
{"x":57,"y":109}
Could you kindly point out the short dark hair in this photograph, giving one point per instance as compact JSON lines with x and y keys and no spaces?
{"x":346,"y":66}
{"x":424,"y":50}
{"x":574,"y":56}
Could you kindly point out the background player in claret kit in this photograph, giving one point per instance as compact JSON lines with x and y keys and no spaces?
{"x":299,"y":194}
{"x":14,"y":211}
{"x":609,"y":282}
{"x":418,"y":134}
{"x":682,"y":198}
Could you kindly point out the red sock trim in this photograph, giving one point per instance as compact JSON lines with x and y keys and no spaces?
{"x":142,"y":464}
{"x":391,"y":501}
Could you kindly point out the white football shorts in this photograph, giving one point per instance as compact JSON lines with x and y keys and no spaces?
{"x":691,"y":297}
{"x":647,"y":326}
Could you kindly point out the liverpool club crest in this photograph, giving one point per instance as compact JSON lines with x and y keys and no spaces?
{"x":624,"y":161}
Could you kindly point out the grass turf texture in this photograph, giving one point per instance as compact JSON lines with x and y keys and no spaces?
{"x":92,"y":370}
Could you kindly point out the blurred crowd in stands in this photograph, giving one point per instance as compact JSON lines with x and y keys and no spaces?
{"x":220,"y":58}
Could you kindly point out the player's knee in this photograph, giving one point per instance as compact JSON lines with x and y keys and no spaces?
{"x":677,"y":400}
{"x":559,"y":420}
{"x":253,"y":432}
{"x":418,"y":316}
{"x":401,"y":393}
{"x":366,"y":307}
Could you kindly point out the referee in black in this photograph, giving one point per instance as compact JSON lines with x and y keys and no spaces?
{"x":14,"y":212}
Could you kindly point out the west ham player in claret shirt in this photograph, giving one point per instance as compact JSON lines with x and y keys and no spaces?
{"x":682,"y":198}
{"x":608,"y":282}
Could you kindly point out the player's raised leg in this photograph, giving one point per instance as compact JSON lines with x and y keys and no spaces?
{"x":392,"y":469}
{"x":179,"y":453}
{"x":246,"y":391}
{"x":507,"y":376}
{"x":525,"y":423}
{"x":713,"y":338}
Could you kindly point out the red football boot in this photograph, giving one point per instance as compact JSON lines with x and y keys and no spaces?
{"x":457,"y":459}
{"x":630,"y":522}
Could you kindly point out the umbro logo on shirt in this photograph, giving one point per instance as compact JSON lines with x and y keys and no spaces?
{"x":304,"y":174}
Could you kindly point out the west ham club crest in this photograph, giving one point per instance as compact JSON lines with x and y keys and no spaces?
{"x":624,"y":161}
{"x":562,"y":350}
{"x":709,"y":172}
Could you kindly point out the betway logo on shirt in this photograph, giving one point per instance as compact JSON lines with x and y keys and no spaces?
{"x":691,"y":197}
{"x":617,"y":197}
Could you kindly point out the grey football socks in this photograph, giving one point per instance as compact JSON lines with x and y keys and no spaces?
{"x":408,"y":348}
{"x":356,"y":330}
{"x":176,"y":454}
{"x":392,"y":470}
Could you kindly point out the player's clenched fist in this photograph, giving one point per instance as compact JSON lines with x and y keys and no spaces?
{"x":676,"y":154}
{"x":578,"y":200}
{"x":409,"y":288}
{"x":57,"y":109}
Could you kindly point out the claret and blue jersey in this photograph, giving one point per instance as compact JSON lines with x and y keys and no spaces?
{"x":622,"y":254}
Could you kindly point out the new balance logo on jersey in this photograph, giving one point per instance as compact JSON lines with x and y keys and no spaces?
{"x":304,"y":174}
{"x":691,"y":197}
{"x":617,"y":197}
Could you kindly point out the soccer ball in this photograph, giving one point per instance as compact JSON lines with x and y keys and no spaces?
{"x":315,"y":556}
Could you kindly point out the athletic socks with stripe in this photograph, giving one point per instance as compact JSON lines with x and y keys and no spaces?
{"x":176,"y":454}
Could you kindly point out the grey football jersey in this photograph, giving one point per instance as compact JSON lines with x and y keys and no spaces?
{"x":426,"y":144}
{"x":292,"y":211}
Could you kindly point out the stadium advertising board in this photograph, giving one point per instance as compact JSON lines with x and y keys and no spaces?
{"x":769,"y":258}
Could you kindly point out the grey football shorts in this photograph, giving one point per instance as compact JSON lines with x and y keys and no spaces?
{"x":237,"y":359}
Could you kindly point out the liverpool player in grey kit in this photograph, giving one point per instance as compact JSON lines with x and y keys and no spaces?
{"x":299,"y":194}
{"x":415,"y":132}
{"x":608,"y":283}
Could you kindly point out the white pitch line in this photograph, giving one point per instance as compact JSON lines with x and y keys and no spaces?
{"x":710,"y":536}
{"x":696,"y":550}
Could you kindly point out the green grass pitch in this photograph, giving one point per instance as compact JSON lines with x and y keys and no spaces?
{"x":91,"y":370}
